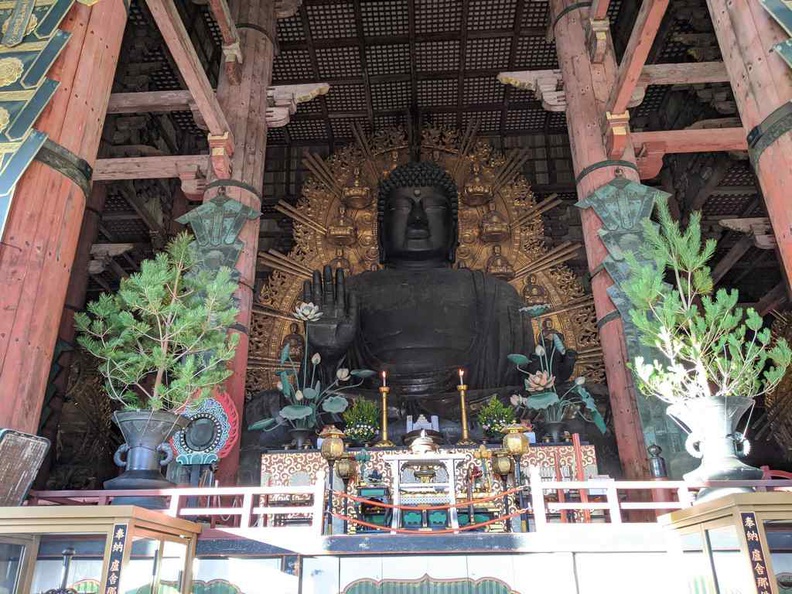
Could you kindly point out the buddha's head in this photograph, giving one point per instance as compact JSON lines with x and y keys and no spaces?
{"x":417,"y":214}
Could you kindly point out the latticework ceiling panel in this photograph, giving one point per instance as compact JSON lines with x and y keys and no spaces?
{"x":346,"y":98}
{"x":535,"y":53}
{"x":491,"y":14}
{"x":437,"y":59}
{"x":739,"y":174}
{"x":433,"y":56}
{"x":727,"y":205}
{"x":388,"y":59}
{"x":385,"y":17}
{"x":338,"y":62}
{"x":438,"y":16}
{"x":438,"y":92}
{"x":331,"y":21}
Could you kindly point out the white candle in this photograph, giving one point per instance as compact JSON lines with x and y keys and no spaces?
{"x":461,"y":377}
{"x":384,"y":379}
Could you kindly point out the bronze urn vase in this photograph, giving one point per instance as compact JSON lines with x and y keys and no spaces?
{"x":144,"y":453}
{"x":711,"y":424}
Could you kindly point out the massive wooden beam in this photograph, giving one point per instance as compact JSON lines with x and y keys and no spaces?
{"x":181,"y":48}
{"x":683,"y":74}
{"x":731,"y":258}
{"x":641,"y":39}
{"x":246,"y":105}
{"x":232,"y":52}
{"x":149,"y":167}
{"x":775,"y":298}
{"x":650,"y":147}
{"x":150,"y":102}
{"x":703,"y":187}
{"x":134,"y":200}
{"x":43,"y":226}
{"x":599,"y":10}
{"x":587,"y":88}
{"x":548,"y":87}
{"x":762,"y":85}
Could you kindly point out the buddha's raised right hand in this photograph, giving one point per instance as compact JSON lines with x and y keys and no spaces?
{"x":333,"y":333}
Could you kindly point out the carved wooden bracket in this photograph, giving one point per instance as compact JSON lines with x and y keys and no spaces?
{"x":232,"y":52}
{"x":193,"y":182}
{"x":221,"y":149}
{"x":597,"y":35}
{"x":232,"y":58}
{"x":283,"y":101}
{"x":759,"y":227}
{"x":547,"y":85}
{"x":286,"y":8}
{"x":100,"y":250}
{"x":616,"y":129}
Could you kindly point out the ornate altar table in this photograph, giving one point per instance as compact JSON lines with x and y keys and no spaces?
{"x":286,"y":467}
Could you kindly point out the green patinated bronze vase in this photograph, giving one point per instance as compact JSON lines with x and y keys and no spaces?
{"x":711,"y":424}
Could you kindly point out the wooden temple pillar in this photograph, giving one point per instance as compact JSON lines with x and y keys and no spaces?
{"x":762,"y":85}
{"x":244,"y":105}
{"x":43,"y":225}
{"x":75,"y":302}
{"x":587,"y":87}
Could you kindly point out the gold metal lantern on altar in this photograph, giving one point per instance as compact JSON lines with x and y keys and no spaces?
{"x":346,"y":467}
{"x":332,"y":443}
{"x":502,"y":463}
{"x":514,"y":440}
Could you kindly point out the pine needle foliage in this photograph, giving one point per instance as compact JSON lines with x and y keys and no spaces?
{"x":708,"y":346}
{"x":162,"y":340}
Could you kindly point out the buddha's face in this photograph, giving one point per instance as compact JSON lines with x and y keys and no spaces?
{"x":417,"y":225}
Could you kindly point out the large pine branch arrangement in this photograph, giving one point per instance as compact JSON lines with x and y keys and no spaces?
{"x":708,"y":345}
{"x":162,"y":340}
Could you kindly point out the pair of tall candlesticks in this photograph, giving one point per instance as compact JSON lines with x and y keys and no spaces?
{"x":384,"y":442}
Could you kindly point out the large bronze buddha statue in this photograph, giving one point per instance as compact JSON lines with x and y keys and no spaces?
{"x":418,"y":318}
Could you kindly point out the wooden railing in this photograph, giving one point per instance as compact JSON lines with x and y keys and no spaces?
{"x":259,"y":510}
{"x":231,"y":509}
{"x":609,"y":496}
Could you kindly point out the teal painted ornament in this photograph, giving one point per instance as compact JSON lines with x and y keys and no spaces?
{"x":217,"y":225}
{"x":623,"y":205}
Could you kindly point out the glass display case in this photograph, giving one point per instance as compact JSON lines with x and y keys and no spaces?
{"x":737,"y":544}
{"x":91,"y":549}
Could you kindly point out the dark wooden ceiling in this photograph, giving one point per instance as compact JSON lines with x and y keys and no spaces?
{"x":413,"y":62}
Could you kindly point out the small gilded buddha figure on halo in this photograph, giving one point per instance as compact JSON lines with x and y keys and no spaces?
{"x":494,"y":227}
{"x":341,"y":262}
{"x":534,"y":293}
{"x":499,"y":266}
{"x":341,"y":231}
{"x":295,"y":341}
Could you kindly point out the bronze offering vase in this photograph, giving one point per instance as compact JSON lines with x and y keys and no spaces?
{"x":302,"y":438}
{"x":555,"y":429}
{"x":711,"y":423}
{"x":144,"y":454}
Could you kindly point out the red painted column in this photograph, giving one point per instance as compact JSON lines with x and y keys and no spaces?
{"x":762,"y":82}
{"x":75,"y":301}
{"x":586,"y":87}
{"x":43,"y":225}
{"x":245,"y":107}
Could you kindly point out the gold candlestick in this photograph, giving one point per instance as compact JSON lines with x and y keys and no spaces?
{"x":462,"y":389}
{"x":384,"y":442}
